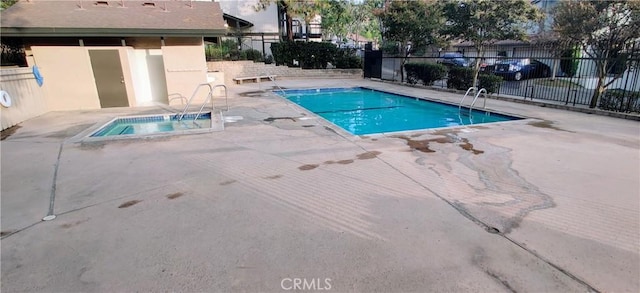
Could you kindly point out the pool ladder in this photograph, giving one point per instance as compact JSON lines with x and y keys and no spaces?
{"x":207,"y":100}
{"x":475,"y":98}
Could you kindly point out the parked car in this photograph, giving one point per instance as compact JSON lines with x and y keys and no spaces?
{"x":454,"y":59}
{"x":517,"y":69}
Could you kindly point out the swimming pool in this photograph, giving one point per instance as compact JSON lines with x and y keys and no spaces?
{"x":144,"y":125}
{"x":366,"y":111}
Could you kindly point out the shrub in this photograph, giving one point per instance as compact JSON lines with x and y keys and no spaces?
{"x":490,"y":82}
{"x":226,"y":50}
{"x":426,"y":72}
{"x":346,"y":59}
{"x":460,"y":78}
{"x":569,"y":61}
{"x":390,"y":48}
{"x":268,"y":59}
{"x":310,"y":55}
{"x":253,"y":54}
{"x":620,"y":101}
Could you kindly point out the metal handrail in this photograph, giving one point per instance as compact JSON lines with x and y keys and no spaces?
{"x":177,"y":96}
{"x":473,"y":88}
{"x":210,"y":97}
{"x":270,"y":76}
{"x":195,"y":91}
{"x":274,"y":82}
{"x":484,"y":105}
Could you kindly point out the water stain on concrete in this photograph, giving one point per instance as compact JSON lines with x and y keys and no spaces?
{"x":73,"y":224}
{"x":69,"y":131}
{"x":6,"y":233}
{"x":271,"y":119}
{"x":308,"y":167}
{"x":174,"y":195}
{"x":345,"y":162}
{"x":128,"y":204}
{"x":89,"y":146}
{"x":368,"y":155}
{"x":327,"y":128}
{"x":252,"y":94}
{"x":546,"y":124}
{"x":446,"y":132}
{"x":9,"y":131}
{"x":467,"y":146}
{"x":273,"y":177}
{"x":374,"y":139}
{"x":423,"y":145}
{"x":418,"y":145}
{"x":228,"y":182}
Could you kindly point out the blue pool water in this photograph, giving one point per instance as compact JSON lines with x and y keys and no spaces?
{"x":366,"y":111}
{"x":153,"y":124}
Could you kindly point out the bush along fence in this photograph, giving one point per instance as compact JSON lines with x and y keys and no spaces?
{"x":566,"y":76}
{"x":314,"y":55}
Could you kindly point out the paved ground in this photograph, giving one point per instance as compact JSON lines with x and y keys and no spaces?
{"x":263,"y":204}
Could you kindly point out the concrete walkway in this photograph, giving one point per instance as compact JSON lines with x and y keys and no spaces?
{"x":546,"y":204}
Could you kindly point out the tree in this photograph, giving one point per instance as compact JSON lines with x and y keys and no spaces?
{"x":305,"y":9}
{"x":343,"y":17}
{"x":485,"y":22}
{"x":336,"y":18}
{"x":604,"y":30}
{"x":4,"y":4}
{"x":413,"y":25}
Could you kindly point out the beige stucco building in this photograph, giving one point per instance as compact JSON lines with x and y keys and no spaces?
{"x":98,"y":54}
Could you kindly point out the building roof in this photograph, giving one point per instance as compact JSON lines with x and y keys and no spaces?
{"x":116,"y":18}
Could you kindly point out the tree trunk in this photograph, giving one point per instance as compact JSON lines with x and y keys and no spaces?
{"x":476,"y":67}
{"x":555,"y":69}
{"x":602,"y":68}
{"x":476,"y":71}
{"x":406,"y":53}
{"x":404,"y":60}
{"x":289,"y":26}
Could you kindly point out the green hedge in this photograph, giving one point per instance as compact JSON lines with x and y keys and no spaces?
{"x":569,"y":62}
{"x":310,"y":55}
{"x":460,"y":78}
{"x":253,"y":54}
{"x":490,"y":82}
{"x":228,"y":50}
{"x":425,"y":72}
{"x":620,"y":101}
{"x":347,"y":58}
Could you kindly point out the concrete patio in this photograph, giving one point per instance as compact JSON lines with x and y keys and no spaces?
{"x":546,"y":204}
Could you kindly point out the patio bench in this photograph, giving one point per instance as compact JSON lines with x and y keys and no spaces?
{"x":259,"y":78}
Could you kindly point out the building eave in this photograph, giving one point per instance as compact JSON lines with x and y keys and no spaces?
{"x":107,"y":32}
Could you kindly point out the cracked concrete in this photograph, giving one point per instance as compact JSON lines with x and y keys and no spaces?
{"x":240,"y":210}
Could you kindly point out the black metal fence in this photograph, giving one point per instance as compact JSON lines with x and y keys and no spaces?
{"x":564,"y":76}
